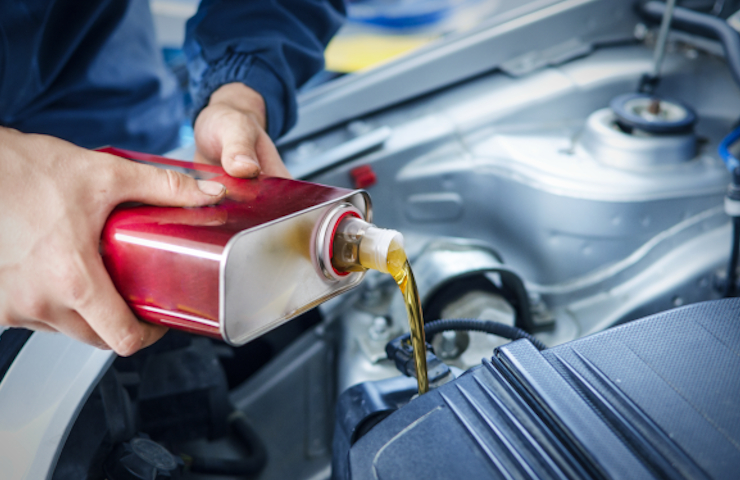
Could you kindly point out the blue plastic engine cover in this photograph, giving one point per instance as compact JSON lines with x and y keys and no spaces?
{"x":654,"y":398}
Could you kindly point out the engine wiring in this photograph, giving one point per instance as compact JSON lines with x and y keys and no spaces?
{"x":724,"y":150}
{"x":732,"y":208}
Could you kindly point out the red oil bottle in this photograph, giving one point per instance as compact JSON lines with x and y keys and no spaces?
{"x":237,"y":269}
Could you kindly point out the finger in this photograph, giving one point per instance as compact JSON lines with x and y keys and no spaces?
{"x":269,"y":157}
{"x":111,"y":319}
{"x":73,"y":325}
{"x":155,"y":186}
{"x":238,"y":154}
{"x":41,"y":327}
{"x":28,"y":324}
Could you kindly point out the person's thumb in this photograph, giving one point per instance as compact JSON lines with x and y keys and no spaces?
{"x":238,"y":154}
{"x":155,"y":186}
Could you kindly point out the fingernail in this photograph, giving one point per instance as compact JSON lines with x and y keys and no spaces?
{"x":211,"y":188}
{"x":246,"y":160}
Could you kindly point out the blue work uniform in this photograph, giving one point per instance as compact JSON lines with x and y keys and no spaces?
{"x":90,"y":71}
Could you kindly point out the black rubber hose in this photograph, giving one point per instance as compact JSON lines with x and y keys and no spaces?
{"x":249,"y":465}
{"x":704,"y":25}
{"x":476,"y":325}
{"x":730,"y":285}
{"x":249,"y":439}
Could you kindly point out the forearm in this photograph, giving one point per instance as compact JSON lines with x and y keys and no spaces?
{"x":271,"y":48}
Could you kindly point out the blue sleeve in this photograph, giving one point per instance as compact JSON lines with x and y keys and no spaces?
{"x":272,"y":46}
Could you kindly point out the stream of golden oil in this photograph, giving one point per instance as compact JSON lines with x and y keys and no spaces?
{"x":398,"y":266}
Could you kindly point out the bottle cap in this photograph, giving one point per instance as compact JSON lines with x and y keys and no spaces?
{"x":375,"y":245}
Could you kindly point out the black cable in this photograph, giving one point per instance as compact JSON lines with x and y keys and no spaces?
{"x":731,"y":201}
{"x":250,"y":441}
{"x":476,"y":325}
{"x":731,"y":282}
{"x":704,"y":25}
{"x":699,"y":5}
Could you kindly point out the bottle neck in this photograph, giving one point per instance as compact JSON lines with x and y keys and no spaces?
{"x":359,"y":245}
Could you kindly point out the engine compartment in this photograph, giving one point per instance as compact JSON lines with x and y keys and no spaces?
{"x":597,"y":242}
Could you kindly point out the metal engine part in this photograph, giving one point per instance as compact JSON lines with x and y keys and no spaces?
{"x":600,"y":238}
{"x":464,"y":349}
{"x":605,"y":141}
{"x":450,"y":271}
{"x":604,"y":226}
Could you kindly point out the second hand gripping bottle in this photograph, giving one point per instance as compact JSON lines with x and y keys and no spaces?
{"x":235,"y":270}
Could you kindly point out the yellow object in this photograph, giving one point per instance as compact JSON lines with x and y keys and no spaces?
{"x":400,"y":269}
{"x":351,"y":53}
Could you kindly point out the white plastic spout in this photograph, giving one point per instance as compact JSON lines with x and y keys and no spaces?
{"x":375,"y":245}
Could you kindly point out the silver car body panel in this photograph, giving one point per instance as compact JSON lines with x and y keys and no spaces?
{"x":40,"y":397}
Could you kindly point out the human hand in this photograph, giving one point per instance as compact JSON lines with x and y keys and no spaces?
{"x":230,"y":131}
{"x":55,"y":199}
